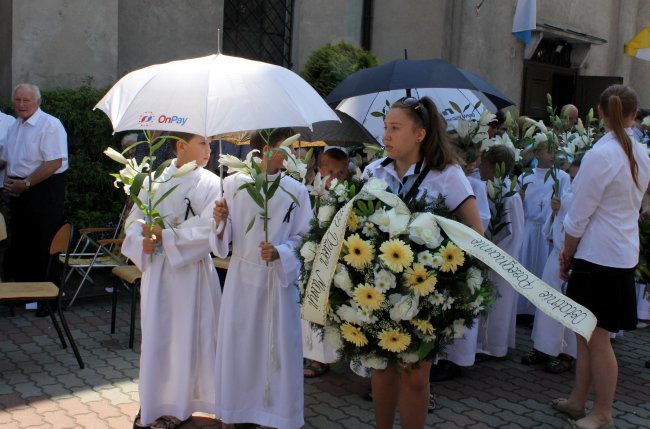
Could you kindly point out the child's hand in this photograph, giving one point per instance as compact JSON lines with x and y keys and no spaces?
{"x":220,"y":211}
{"x":555,"y":205}
{"x":151,"y":239}
{"x":268,"y":252}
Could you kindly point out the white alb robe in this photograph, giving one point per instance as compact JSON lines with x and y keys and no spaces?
{"x":259,"y":376}
{"x":537,"y":208}
{"x":549,"y":336}
{"x":497,"y":327}
{"x":180,"y":297}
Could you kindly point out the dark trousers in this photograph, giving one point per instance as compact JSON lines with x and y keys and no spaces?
{"x":35,"y":217}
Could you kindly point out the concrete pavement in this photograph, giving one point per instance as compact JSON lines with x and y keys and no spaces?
{"x":41,"y":385}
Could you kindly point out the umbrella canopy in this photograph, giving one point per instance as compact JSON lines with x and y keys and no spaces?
{"x":213,"y":95}
{"x":369,"y":109}
{"x":408,"y":74}
{"x":347,"y":132}
{"x":639,"y":46}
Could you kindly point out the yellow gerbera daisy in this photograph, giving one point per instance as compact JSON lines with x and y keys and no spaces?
{"x":452,"y":258}
{"x":369,"y":297}
{"x":394,"y":341}
{"x":353,"y":335}
{"x":353,"y":222}
{"x":419,"y":280}
{"x":423,"y":326}
{"x":396,"y":254}
{"x":360,"y":252}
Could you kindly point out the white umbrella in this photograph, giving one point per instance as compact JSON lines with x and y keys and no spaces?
{"x":213,"y":95}
{"x":364,"y":108}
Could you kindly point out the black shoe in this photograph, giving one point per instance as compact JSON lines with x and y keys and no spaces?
{"x":42,"y":312}
{"x":647,"y":364}
{"x":444,"y":370}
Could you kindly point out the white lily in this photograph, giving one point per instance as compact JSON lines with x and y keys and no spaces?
{"x":234,"y":164}
{"x":115,"y":156}
{"x":295,"y":167}
{"x":318,"y":186}
{"x":646,"y":121}
{"x":405,"y":307}
{"x":580,"y":127}
{"x":185,"y":168}
{"x":486,"y":117}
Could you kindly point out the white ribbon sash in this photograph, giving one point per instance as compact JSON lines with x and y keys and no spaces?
{"x":551,"y":302}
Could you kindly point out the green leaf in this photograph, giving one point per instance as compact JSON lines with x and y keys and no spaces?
{"x":455,"y":106}
{"x":250,"y":224}
{"x":466,"y":107}
{"x":293,"y":197}
{"x":273,"y":188}
{"x":256,"y":196}
{"x":165,"y":195}
{"x":377,"y":114}
{"x":425,"y":349}
{"x":161,"y":168}
{"x":138,"y":180}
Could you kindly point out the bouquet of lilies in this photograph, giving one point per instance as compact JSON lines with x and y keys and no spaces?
{"x":401,"y":290}
{"x":471,"y":134}
{"x":136,"y":177}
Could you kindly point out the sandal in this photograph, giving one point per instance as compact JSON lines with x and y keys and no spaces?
{"x":559,"y":364}
{"x":315,"y":369}
{"x":572,"y":424}
{"x":137,"y":422}
{"x":169,"y":422}
{"x":559,"y":404}
{"x":534,"y":357}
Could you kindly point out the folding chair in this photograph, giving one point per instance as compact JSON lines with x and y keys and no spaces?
{"x":92,"y":252}
{"x":48,"y":292}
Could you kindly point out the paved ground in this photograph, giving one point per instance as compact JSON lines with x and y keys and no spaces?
{"x":41,"y":385}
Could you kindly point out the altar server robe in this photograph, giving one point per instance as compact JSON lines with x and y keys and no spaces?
{"x":496,"y":332}
{"x":259,"y":349}
{"x":537,"y":208}
{"x":180,"y":298}
{"x":550,"y":336}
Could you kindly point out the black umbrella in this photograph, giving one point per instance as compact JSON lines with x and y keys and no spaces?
{"x":406,"y":74}
{"x":348,"y":132}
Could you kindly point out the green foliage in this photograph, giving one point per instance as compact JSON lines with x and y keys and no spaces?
{"x":327,"y":66}
{"x":91,"y":198}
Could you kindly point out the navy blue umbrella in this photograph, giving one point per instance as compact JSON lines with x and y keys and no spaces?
{"x":407,"y":74}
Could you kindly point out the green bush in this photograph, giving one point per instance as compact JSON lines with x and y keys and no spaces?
{"x":91,"y":198}
{"x":327,"y":66}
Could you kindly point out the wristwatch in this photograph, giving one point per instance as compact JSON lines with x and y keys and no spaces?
{"x":27,"y":182}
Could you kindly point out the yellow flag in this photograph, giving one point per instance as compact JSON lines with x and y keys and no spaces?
{"x":639,"y":46}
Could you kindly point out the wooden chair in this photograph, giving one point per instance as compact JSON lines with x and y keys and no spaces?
{"x":129,"y":276}
{"x":47,"y":292}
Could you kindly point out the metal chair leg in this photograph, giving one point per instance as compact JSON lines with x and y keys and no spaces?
{"x":55,"y":323}
{"x":69,"y":335}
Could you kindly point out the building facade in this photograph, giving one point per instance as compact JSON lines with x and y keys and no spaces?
{"x":576,"y":50}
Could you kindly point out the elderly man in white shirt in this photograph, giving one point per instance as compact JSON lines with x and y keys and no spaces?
{"x":36,"y":152}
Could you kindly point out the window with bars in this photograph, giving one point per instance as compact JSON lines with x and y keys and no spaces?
{"x":258,"y":30}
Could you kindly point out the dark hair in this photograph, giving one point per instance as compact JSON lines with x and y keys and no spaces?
{"x":617,"y":103}
{"x":333,"y":154}
{"x":184,"y":136}
{"x":272,"y":137}
{"x":435,"y":148}
{"x":499,"y":154}
{"x":499,"y":119}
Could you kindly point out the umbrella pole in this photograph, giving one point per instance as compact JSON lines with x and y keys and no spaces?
{"x":219,"y":227}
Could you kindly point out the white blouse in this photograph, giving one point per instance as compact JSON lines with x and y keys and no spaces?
{"x":605,"y":208}
{"x":450,"y":182}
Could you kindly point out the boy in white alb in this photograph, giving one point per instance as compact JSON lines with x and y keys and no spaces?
{"x":180,"y":293}
{"x":537,"y":208}
{"x":496,"y":331}
{"x":259,"y":349}
{"x":553,"y":344}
